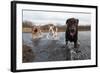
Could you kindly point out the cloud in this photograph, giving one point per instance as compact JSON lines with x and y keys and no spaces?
{"x":42,"y":17}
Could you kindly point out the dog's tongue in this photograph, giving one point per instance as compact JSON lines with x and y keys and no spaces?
{"x":72,"y":34}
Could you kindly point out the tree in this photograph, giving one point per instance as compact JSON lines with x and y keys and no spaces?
{"x":27,"y":24}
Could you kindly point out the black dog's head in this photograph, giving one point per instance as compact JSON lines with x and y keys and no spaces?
{"x":72,"y":26}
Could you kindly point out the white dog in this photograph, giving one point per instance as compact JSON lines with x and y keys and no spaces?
{"x":55,"y":35}
{"x":52,"y":32}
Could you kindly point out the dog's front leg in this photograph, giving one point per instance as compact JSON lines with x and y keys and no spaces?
{"x":75,"y":44}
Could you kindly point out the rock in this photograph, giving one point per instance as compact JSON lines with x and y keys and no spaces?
{"x":28,"y":54}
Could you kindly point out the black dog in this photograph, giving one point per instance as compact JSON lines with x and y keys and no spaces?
{"x":72,"y":31}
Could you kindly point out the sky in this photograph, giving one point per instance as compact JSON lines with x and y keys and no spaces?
{"x":45,"y":17}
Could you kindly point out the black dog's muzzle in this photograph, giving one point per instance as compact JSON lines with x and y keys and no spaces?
{"x":72,"y":30}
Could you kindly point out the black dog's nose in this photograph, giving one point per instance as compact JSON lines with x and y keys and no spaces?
{"x":72,"y":30}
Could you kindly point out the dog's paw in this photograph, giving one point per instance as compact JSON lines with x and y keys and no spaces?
{"x":78,"y":44}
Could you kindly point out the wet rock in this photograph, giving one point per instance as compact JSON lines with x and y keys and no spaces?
{"x":28,"y":54}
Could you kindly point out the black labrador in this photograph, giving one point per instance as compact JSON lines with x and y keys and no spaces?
{"x":71,"y":33}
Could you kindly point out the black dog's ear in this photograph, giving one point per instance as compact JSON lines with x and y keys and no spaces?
{"x":77,"y":21}
{"x":67,"y":21}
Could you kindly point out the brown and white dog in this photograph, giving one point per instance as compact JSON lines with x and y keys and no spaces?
{"x":36,"y":32}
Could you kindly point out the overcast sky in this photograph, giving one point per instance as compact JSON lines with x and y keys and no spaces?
{"x":42,"y":17}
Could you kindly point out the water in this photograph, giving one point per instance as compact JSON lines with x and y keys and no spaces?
{"x":52,"y":50}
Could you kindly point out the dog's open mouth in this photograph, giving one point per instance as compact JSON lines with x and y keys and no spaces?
{"x":72,"y":32}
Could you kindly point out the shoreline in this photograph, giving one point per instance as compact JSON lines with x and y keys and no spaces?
{"x":29,"y":30}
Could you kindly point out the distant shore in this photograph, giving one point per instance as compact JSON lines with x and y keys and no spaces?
{"x":80,"y":28}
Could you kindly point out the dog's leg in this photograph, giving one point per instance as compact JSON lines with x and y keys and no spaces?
{"x":75,"y":44}
{"x":76,"y":47}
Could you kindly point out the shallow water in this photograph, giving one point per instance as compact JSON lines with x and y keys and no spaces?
{"x":52,"y":50}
